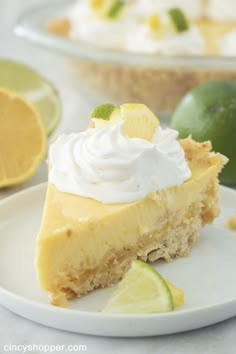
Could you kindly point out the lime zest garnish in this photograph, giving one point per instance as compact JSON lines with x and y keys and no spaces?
{"x":154,"y":22}
{"x":139,"y":121}
{"x":115,"y":8}
{"x":178,"y":19}
{"x":104,"y":111}
{"x":96,"y":4}
{"x":107,"y":8}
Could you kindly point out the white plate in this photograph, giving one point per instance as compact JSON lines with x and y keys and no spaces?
{"x":207,"y":277}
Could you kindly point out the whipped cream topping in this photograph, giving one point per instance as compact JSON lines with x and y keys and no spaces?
{"x":131,"y":31}
{"x":101,"y":32}
{"x":222,"y":10}
{"x":106,"y":165}
{"x":193,"y":9}
{"x":228,"y":44}
{"x":189,"y":42}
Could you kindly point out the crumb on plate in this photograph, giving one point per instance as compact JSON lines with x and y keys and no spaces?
{"x":231,"y":222}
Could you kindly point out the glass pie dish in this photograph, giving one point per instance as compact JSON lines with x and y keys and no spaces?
{"x":159,"y":81}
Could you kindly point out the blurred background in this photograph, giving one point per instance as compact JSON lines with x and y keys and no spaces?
{"x":76,"y":108}
{"x":160,"y":81}
{"x":51,"y":66}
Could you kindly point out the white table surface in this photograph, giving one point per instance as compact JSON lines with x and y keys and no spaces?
{"x":217,"y":339}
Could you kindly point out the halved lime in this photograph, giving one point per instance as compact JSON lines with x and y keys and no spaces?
{"x":142,"y":290}
{"x":26,"y":81}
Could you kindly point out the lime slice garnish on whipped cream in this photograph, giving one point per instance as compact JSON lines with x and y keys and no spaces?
{"x":154,"y":22}
{"x":178,"y":19}
{"x":139,"y":120}
{"x":107,"y":8}
{"x":115,"y":8}
{"x":142,"y":290}
{"x":105,"y":115}
{"x":104,"y":111}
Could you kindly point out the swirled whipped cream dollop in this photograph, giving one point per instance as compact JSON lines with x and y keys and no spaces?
{"x":106,"y":165}
{"x":222,"y":10}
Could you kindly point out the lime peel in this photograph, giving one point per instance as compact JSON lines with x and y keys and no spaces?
{"x":115,"y":8}
{"x":178,"y":20}
{"x":107,"y":8}
{"x":104,"y":111}
{"x":142,"y":290}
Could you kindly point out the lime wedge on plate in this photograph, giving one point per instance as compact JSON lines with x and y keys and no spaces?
{"x":142,"y":290}
{"x":27,"y":82}
{"x":177,"y":294}
{"x":178,"y":19}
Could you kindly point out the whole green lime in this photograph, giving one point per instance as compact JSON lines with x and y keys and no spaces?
{"x":208,"y":112}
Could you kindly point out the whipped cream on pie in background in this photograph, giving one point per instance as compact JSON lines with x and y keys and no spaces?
{"x":97,"y":31}
{"x":106,"y":165}
{"x":130,"y":29}
{"x":189,"y":42}
{"x":130,"y":32}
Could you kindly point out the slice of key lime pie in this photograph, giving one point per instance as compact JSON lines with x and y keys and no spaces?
{"x":125,"y":188}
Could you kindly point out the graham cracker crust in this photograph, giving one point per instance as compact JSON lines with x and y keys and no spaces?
{"x":173,"y":237}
